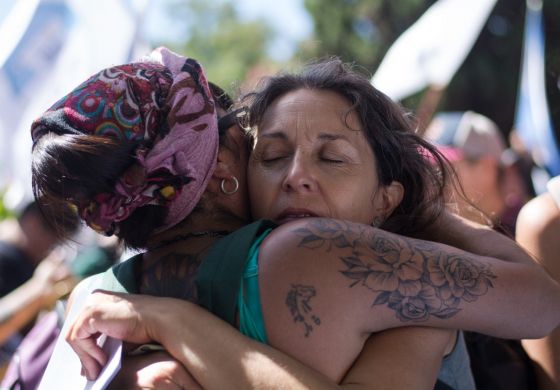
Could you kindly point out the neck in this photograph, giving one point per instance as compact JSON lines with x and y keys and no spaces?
{"x":196,"y":226}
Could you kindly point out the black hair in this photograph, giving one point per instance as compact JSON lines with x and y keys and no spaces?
{"x":70,"y":168}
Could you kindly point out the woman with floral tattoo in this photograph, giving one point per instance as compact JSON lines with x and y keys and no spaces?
{"x":323,"y":285}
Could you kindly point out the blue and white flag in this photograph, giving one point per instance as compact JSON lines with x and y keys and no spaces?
{"x":48,"y":47}
{"x":532,"y":119}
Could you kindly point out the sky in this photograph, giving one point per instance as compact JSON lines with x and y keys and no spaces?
{"x":288,"y":18}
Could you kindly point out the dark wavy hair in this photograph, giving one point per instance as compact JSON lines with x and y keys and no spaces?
{"x":73,"y":168}
{"x":401,"y":154}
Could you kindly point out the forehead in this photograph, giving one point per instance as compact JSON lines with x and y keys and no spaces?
{"x":323,"y":108}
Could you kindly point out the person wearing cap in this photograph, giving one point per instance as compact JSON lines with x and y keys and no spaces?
{"x":150,"y":131}
{"x":538,"y":230}
{"x":489,"y":187}
{"x":484,"y":165}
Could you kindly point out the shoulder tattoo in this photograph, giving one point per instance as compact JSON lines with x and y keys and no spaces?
{"x":299,"y":303}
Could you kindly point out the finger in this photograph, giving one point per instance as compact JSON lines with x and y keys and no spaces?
{"x":83,"y":340}
{"x":185,"y":380}
{"x":91,"y":357}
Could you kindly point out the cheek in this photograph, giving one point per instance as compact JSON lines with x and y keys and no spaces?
{"x":355,"y":202}
{"x":369,"y":207}
{"x":260,"y":191}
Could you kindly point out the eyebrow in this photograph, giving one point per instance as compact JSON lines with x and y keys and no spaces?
{"x":333,"y":137}
{"x":322,"y":136}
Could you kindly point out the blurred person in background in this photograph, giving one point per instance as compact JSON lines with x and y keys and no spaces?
{"x":488,"y":174}
{"x":24,"y":243}
{"x":53,"y":280}
{"x":538,"y":231}
{"x":485,"y":167}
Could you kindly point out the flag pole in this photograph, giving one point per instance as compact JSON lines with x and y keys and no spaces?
{"x":428,"y":106}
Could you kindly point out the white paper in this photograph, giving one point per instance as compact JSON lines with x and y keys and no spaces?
{"x":63,"y":370}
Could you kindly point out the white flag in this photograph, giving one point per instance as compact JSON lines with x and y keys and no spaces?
{"x":433,"y":48}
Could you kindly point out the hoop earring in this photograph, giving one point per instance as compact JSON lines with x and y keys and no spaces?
{"x":235,"y":186}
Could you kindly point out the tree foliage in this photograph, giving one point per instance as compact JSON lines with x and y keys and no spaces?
{"x":227,"y":46}
{"x":359,"y":31}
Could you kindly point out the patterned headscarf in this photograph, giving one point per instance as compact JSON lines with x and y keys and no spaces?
{"x":165,"y":104}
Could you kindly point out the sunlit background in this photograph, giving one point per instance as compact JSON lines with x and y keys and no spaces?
{"x":49,"y":46}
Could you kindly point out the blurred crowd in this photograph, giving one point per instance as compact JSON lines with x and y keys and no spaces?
{"x":38,"y":270}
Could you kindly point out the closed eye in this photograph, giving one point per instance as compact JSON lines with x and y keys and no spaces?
{"x":332,"y":159}
{"x":270,"y":159}
{"x":274,"y":158}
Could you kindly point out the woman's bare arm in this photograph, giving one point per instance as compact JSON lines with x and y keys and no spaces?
{"x":459,"y":232}
{"x":538,"y":230}
{"x":334,"y":282}
{"x":402,"y":358}
{"x":218,"y":356}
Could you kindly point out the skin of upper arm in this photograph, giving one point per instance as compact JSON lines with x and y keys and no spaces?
{"x":538,"y":230}
{"x":311,"y":310}
{"x":402,"y":358}
{"x":321,"y":279}
{"x":316,"y":325}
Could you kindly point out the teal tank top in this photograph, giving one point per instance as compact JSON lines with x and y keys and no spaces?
{"x":251,"y":320}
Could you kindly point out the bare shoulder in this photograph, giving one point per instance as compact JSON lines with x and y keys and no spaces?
{"x":311,"y":311}
{"x":306,"y":238}
{"x":538,"y":230}
{"x":540,"y":215}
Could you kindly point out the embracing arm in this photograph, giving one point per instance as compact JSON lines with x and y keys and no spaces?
{"x":459,"y":232}
{"x":401,"y":358}
{"x":538,"y":230}
{"x":218,"y":356}
{"x":154,"y":370}
{"x":207,"y":346}
{"x":330,"y":279}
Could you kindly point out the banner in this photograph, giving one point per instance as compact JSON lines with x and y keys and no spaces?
{"x":532,"y":119}
{"x":63,"y":43}
{"x":433,"y":48}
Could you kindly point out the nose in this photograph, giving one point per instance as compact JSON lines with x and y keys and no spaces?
{"x":299,"y":175}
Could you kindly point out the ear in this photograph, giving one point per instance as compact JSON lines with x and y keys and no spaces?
{"x":391,"y":197}
{"x":222,"y":170}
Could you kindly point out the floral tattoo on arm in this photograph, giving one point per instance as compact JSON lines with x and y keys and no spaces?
{"x":415,"y":279}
